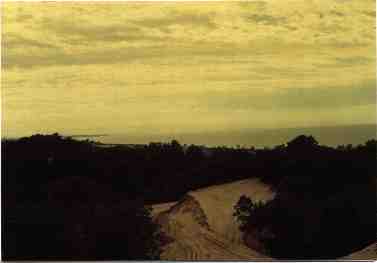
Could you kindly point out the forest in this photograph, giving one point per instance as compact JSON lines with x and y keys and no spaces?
{"x":325,"y":206}
{"x":68,"y":199}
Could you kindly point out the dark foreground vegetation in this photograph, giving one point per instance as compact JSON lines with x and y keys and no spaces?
{"x":325,"y":205}
{"x":69,"y":199}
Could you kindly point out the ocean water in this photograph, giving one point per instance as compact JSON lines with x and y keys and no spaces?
{"x":332,"y":136}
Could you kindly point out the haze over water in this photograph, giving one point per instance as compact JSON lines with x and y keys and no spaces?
{"x":331,"y":136}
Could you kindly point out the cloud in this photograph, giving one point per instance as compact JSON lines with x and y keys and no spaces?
{"x":13,"y":41}
{"x":253,"y":5}
{"x":337,"y":13}
{"x":149,"y":54}
{"x":370,"y":13}
{"x":346,"y":62}
{"x":327,"y":97}
{"x":78,"y":31}
{"x":356,"y":60}
{"x":266,"y":19}
{"x":24,"y":17}
{"x":81,"y":33}
{"x":108,"y":56}
{"x":163,"y":23}
{"x":293,"y":98}
{"x":224,"y":60}
{"x":332,"y":28}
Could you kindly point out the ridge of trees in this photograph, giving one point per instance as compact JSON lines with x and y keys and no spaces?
{"x":325,"y":205}
{"x":78,"y":185}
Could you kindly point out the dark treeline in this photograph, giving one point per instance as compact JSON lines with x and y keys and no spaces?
{"x":158,"y":172}
{"x":70,"y":199}
{"x":325,"y":206}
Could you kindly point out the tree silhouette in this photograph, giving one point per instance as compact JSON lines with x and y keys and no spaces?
{"x":53,"y":187}
{"x":302,"y":143}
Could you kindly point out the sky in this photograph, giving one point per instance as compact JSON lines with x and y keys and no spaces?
{"x":181,"y":67}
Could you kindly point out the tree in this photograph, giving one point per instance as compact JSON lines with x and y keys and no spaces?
{"x":302,"y":143}
{"x":244,"y":209}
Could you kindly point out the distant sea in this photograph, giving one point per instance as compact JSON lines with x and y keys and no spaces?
{"x":331,"y":136}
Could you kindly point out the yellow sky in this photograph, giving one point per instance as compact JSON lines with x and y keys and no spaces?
{"x":186,"y":67}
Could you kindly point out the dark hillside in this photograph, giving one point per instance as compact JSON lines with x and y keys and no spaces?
{"x":58,"y":191}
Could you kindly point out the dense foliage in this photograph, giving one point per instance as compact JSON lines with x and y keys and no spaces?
{"x":325,"y":205}
{"x":71,"y":199}
{"x":158,"y":172}
{"x":55,"y":206}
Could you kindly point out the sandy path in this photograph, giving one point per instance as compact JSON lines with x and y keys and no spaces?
{"x":202,"y":224}
{"x":203,"y":228}
{"x":368,"y":253}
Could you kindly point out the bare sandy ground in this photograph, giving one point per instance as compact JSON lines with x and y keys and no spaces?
{"x":202,"y":226}
{"x":368,"y":253}
{"x":158,"y":208}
